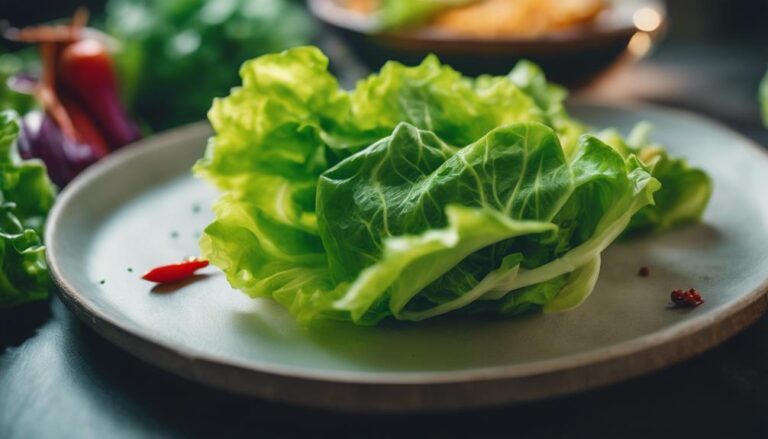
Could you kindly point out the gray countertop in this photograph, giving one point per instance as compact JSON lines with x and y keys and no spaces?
{"x":59,"y":379}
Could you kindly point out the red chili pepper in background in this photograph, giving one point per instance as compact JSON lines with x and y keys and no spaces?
{"x":86,"y":71}
{"x":175,"y":272}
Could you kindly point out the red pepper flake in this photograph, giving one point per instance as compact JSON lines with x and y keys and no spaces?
{"x":686,"y":299}
{"x":644,"y":272}
{"x":175,"y":272}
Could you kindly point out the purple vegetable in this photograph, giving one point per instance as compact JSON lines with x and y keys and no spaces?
{"x":41,"y":138}
{"x":82,"y":117}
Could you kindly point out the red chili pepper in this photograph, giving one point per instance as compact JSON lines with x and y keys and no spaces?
{"x":175,"y":272}
{"x":87,"y":73}
{"x":686,"y":299}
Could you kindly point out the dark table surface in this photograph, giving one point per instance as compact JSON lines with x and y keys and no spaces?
{"x":59,"y":379}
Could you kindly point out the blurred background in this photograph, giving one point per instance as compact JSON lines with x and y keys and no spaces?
{"x":707,"y":43}
{"x":692,"y":20}
{"x":172,"y":57}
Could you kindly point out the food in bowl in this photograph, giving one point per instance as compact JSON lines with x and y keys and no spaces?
{"x":483,"y":18}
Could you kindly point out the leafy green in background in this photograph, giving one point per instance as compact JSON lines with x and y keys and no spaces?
{"x":26,"y":195}
{"x":12,"y":64}
{"x":418,"y":193}
{"x":178,"y":55}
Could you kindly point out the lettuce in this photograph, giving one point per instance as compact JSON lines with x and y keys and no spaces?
{"x":419,"y":193}
{"x":26,"y":195}
{"x":686,"y":192}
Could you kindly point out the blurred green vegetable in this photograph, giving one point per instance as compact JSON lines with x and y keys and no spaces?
{"x":26,"y":195}
{"x":12,"y":64}
{"x":178,"y":55}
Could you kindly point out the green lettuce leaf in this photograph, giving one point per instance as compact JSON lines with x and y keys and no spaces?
{"x":420,"y":192}
{"x":686,"y":190}
{"x":26,"y":195}
{"x":550,"y":99}
{"x":12,"y":64}
{"x":371,"y":204}
{"x":558,"y":294}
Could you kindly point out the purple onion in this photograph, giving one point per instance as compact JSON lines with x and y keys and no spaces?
{"x":106,"y":109}
{"x":41,"y":138}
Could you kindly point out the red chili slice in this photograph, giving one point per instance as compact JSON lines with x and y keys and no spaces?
{"x":175,"y":272}
{"x":686,"y":299}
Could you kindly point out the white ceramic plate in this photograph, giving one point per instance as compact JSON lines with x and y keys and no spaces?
{"x":140,"y":207}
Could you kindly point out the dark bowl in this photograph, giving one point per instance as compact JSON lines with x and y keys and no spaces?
{"x":625,"y":31}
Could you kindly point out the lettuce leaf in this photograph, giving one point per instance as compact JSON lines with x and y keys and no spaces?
{"x":370,"y":203}
{"x":26,"y":195}
{"x":420,"y":192}
{"x":686,"y":190}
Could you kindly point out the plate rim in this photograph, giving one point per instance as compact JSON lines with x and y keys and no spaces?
{"x":408,"y":391}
